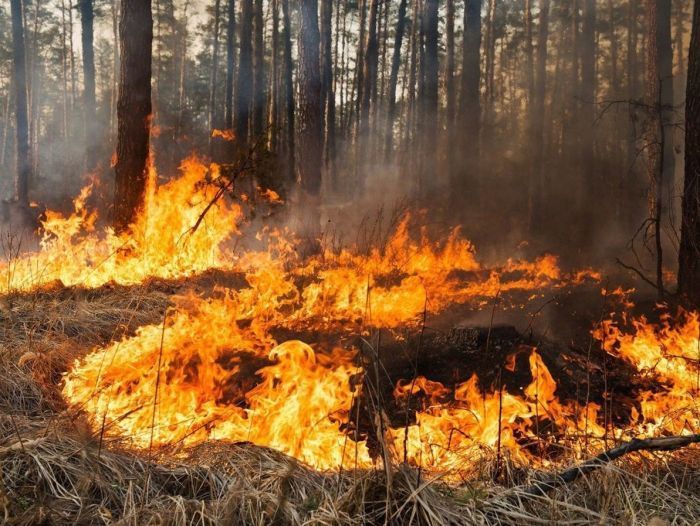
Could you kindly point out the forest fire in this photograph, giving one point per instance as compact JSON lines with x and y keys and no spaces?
{"x":268,"y":307}
{"x":217,"y":367}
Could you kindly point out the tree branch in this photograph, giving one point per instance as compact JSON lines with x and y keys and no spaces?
{"x":570,"y":475}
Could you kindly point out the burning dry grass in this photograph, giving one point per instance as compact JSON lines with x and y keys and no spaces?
{"x":54,"y":469}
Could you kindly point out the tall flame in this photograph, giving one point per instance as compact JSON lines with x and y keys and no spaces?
{"x":160,"y":244}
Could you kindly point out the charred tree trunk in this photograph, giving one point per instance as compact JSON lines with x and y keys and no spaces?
{"x":689,"y":256}
{"x":89,"y":109}
{"x":133,"y":111}
{"x":19,"y":62}
{"x":310,"y":113}
{"x":230,"y":62}
{"x":244,"y":84}
{"x":394,"y":77}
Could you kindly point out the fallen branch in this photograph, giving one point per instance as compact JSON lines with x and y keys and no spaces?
{"x":541,"y":487}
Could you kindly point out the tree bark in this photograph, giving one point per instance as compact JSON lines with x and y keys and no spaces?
{"x":244,"y":84}
{"x":259,"y":81}
{"x":89,"y":109}
{"x":288,"y":89}
{"x":133,"y":111}
{"x":588,"y":79}
{"x":450,"y":64}
{"x":274,"y":118}
{"x":230,"y":62}
{"x":327,"y":94}
{"x":430,"y":95}
{"x":394,"y":77}
{"x":470,"y":104}
{"x":538,"y":184}
{"x":310,"y":113}
{"x":689,"y":255}
{"x":213,"y":74}
{"x":24,"y":166}
{"x":371,"y":58}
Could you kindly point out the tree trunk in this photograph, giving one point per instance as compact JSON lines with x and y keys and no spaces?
{"x":490,"y":52}
{"x":183,"y":64}
{"x":64,"y":69}
{"x":538,"y":184}
{"x":230,"y":62}
{"x":470,"y":104}
{"x":394,"y":77}
{"x":213,"y":74}
{"x":450,"y":64}
{"x":665,"y":79}
{"x":310,"y":113}
{"x":588,"y":80}
{"x":430,"y":95}
{"x":288,"y":89}
{"x":244,"y":84}
{"x":115,"y":73}
{"x":89,"y":109}
{"x":24,"y":166}
{"x":327,"y":94}
{"x":259,"y":82}
{"x":371,"y":58}
{"x":274,"y":119}
{"x":689,"y":256}
{"x":133,"y":111}
{"x":655,"y":134}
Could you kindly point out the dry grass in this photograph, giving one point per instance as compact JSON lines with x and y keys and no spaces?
{"x":54,"y":470}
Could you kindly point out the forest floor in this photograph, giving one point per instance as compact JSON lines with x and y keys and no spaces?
{"x":55,"y":470}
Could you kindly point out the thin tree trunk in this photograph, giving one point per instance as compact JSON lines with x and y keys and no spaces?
{"x":259,"y":81}
{"x":327,"y":93}
{"x":539,"y":185}
{"x":655,"y":135}
{"x":588,"y":79}
{"x":24,"y":166}
{"x":490,"y":65}
{"x":64,"y":67}
{"x":393,"y":78}
{"x":288,"y":88}
{"x":133,"y":112}
{"x":274,"y":119}
{"x":5,"y":124}
{"x":430,"y":94}
{"x":450,"y":64}
{"x":244,"y":84}
{"x":213,"y":74}
{"x":183,"y":64}
{"x":115,"y":71}
{"x":89,"y":103}
{"x":230,"y":62}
